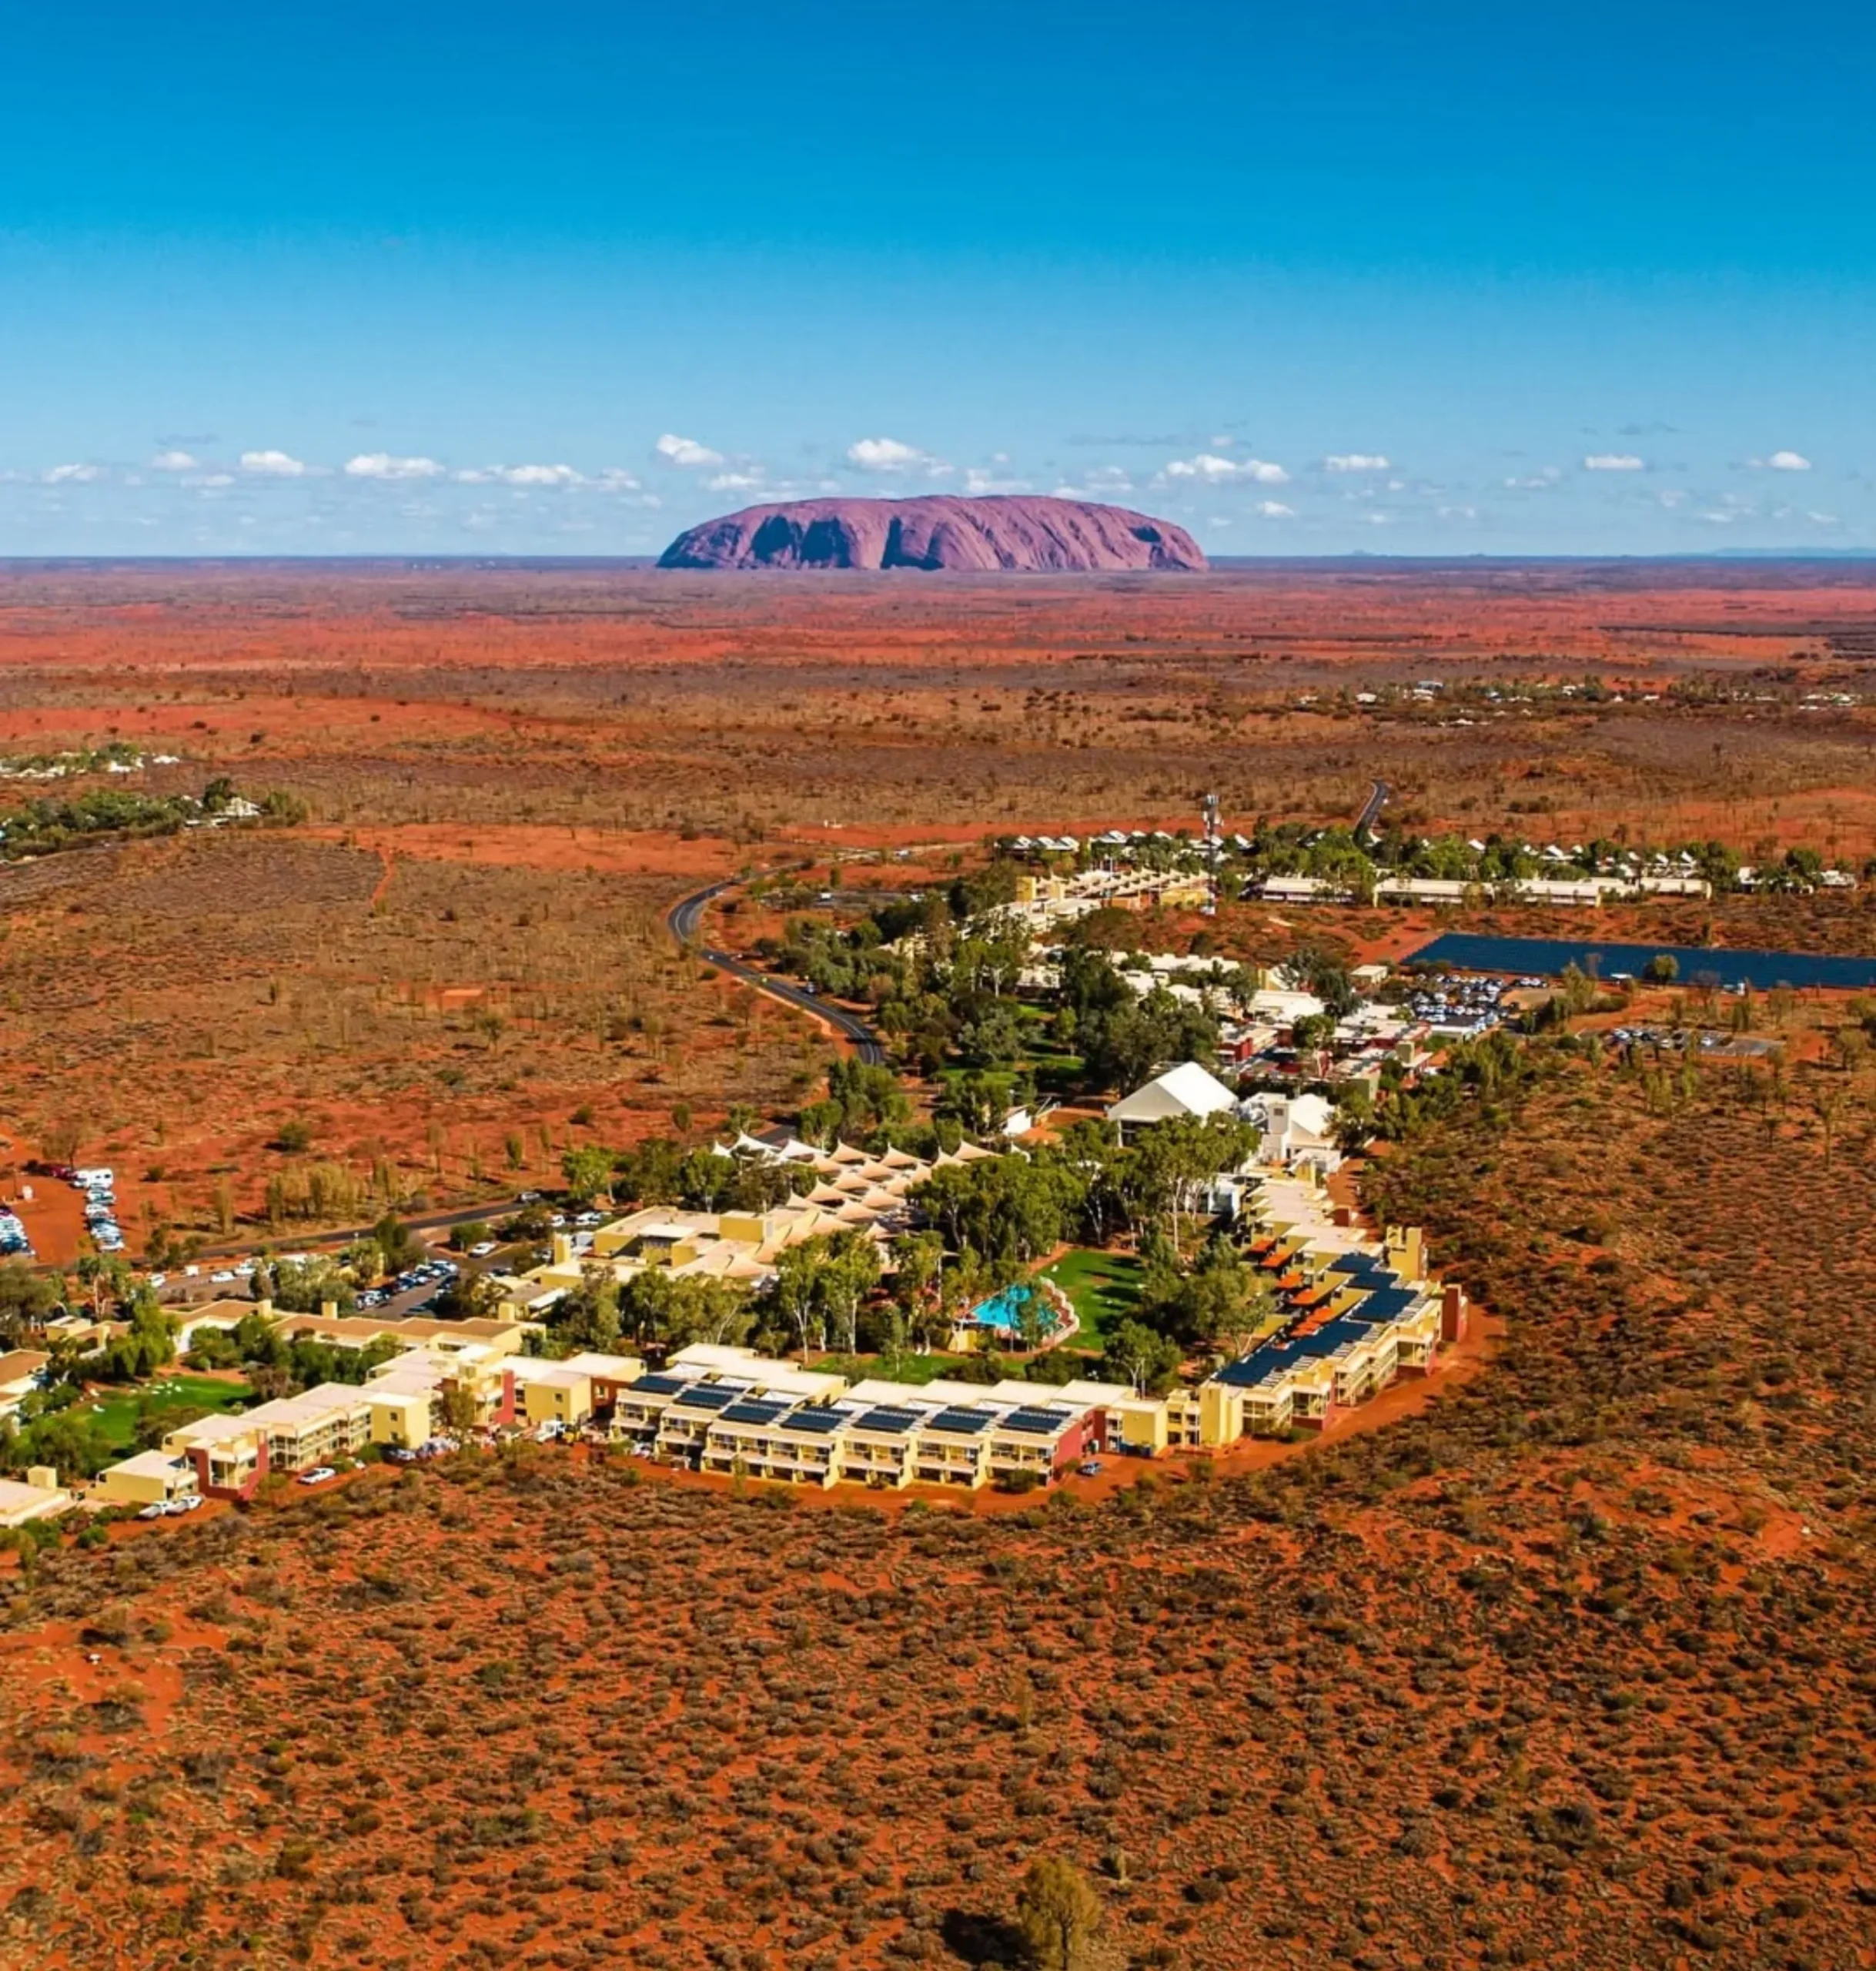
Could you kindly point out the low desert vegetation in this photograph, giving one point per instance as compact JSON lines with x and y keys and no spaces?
{"x":1568,"y":1667}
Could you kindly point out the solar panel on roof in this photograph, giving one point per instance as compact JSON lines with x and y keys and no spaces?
{"x":1249,"y":1370}
{"x":887,"y":1418}
{"x":703,"y":1397}
{"x":821,"y":1420}
{"x":963,"y":1422}
{"x":1045,"y":1422}
{"x":753,"y":1412}
{"x":1332,"y":1335}
{"x":659,"y":1385}
{"x":1362,"y":1262}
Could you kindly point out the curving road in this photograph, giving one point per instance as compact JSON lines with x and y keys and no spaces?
{"x":684,"y":920}
{"x":1377,"y":800}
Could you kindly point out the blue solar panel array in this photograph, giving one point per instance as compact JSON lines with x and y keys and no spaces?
{"x":1359,"y":1266}
{"x":656,"y":1385}
{"x":886,"y":1417}
{"x":965,"y":1423}
{"x":754,"y":1412}
{"x":817,"y":1419}
{"x":703,"y":1395}
{"x":1389,"y":1304}
{"x":1044,"y":1423}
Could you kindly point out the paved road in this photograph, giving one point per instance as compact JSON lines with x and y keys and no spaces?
{"x":425,"y":1221}
{"x":1377,"y":800}
{"x":685,"y":919}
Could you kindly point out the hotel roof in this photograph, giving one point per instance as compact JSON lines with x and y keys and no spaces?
{"x":963,"y":1423}
{"x":894,"y":1421}
{"x":1039,"y":1423}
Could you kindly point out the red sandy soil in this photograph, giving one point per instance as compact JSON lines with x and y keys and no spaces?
{"x":1566,"y":1667}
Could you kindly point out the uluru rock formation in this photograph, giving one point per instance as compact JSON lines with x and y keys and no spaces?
{"x":999,"y":531}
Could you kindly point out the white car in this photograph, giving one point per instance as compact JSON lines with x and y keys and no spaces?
{"x":157,"y":1510}
{"x":317,"y":1475}
{"x":482,"y":1250}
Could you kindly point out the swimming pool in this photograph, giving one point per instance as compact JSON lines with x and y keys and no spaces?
{"x":1468,"y":952}
{"x":1003,"y":1312}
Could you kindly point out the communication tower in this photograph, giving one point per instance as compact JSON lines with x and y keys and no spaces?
{"x":1213,"y":851}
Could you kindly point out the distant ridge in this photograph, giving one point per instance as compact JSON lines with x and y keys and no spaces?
{"x":1008,"y":532}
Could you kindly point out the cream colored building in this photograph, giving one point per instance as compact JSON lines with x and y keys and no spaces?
{"x":848,"y":1189}
{"x":20,"y":1370}
{"x":40,"y":1497}
{"x":152,"y":1477}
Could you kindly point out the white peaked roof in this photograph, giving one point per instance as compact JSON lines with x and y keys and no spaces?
{"x":1184,"y":1090}
{"x":1311,"y":1113}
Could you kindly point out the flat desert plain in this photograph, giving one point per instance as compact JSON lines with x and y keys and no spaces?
{"x":1571,"y":1664}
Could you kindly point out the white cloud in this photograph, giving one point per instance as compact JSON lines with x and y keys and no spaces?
{"x":686,"y":452}
{"x":1672,"y":496}
{"x":274,"y":465}
{"x":174,"y":461}
{"x":381,"y":465}
{"x":1216,"y":471}
{"x":616,"y":479}
{"x":976,"y":479}
{"x":72,"y":475}
{"x":536,"y":475}
{"x":1784,"y":462}
{"x":1536,"y":482}
{"x":892,"y":455}
{"x":1102,"y":483}
{"x":1355,"y":462}
{"x":1614,"y":462}
{"x":1275,"y":510}
{"x":219,"y":479}
{"x":1824,"y":520}
{"x":734,"y":482}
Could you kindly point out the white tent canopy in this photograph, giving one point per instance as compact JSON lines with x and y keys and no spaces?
{"x":1187,"y":1090}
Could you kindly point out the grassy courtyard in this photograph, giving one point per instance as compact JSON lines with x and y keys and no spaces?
{"x":1103,"y":1288}
{"x":168,"y":1401}
{"x":905,"y":1367}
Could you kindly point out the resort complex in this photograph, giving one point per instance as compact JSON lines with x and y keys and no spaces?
{"x":1349,"y":1314}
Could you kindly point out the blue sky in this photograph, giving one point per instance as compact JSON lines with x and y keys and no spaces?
{"x":1444,"y":278}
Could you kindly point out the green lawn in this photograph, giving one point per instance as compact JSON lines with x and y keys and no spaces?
{"x":906,"y":1368}
{"x":117,"y":1414}
{"x":1104,"y":1288}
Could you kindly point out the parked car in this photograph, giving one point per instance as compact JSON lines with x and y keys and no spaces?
{"x":1089,"y":1467}
{"x":159,"y":1510}
{"x":317,"y":1475}
{"x":482,"y":1249}
{"x":190,"y":1502}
